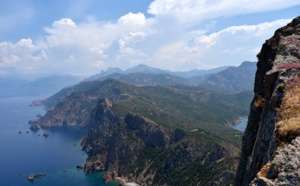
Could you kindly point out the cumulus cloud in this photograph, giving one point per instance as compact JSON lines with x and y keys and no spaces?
{"x":20,"y":57}
{"x":64,"y":22}
{"x":229,"y":46}
{"x":88,"y":47}
{"x":133,"y":19}
{"x":78,"y":48}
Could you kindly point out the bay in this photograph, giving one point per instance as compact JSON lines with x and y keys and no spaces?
{"x":242,"y":125}
{"x":30,"y":152}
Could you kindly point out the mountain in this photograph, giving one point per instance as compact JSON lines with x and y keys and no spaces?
{"x":153,"y":135}
{"x":8,"y":86}
{"x":109,"y":71}
{"x":144,"y":69}
{"x":148,"y":79}
{"x":232,"y":79}
{"x":13,"y":87}
{"x":141,"y":68}
{"x":188,"y":102}
{"x":139,"y":149}
{"x":271,"y":143}
{"x":201,"y":73}
{"x":47,"y":85}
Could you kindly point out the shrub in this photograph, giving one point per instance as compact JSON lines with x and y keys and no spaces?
{"x":288,"y":66}
{"x":288,"y":125}
{"x":259,"y":101}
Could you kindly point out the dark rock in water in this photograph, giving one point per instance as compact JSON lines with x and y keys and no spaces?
{"x":35,"y":126}
{"x":31,"y":177}
{"x":79,"y":166}
{"x":46,"y":133}
{"x":20,"y":132}
{"x":39,"y":175}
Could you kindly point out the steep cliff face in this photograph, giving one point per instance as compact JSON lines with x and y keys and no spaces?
{"x":270,"y":153}
{"x":138,"y":149}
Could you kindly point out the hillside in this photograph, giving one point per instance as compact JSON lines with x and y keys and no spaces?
{"x":271,"y":143}
{"x":153,"y":135}
{"x":232,"y":79}
{"x":138,"y":149}
{"x":202,"y":106}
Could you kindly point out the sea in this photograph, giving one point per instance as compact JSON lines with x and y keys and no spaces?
{"x":24,"y":152}
{"x":242,"y":125}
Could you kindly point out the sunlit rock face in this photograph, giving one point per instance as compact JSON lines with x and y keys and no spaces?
{"x":270,"y":153}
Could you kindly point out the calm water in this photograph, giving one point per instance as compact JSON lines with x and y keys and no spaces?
{"x":22,"y":154}
{"x":242,"y":126}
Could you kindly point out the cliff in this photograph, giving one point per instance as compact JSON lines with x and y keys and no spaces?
{"x":270,"y":152}
{"x":138,"y":149}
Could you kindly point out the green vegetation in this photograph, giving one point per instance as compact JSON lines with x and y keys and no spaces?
{"x":210,"y":148}
{"x":186,"y":107}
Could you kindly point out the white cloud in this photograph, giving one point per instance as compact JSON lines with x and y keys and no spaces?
{"x":64,"y":22}
{"x":188,"y":11}
{"x":160,"y":41}
{"x":229,"y":46}
{"x":20,"y":57}
{"x":133,"y":19}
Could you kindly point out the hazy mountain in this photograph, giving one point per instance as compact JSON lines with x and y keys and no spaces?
{"x":195,"y":72}
{"x":232,"y":79}
{"x":11,"y":87}
{"x":141,"y":68}
{"x":8,"y":86}
{"x":148,"y":79}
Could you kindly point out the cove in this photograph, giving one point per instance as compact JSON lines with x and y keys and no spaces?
{"x":24,"y":152}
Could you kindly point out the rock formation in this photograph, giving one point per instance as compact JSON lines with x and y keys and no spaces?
{"x":270,"y":153}
{"x":138,"y":149}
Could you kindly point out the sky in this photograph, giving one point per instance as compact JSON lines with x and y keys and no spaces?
{"x":84,"y":37}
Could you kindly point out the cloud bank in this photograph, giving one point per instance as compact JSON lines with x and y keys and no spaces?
{"x":167,"y":40}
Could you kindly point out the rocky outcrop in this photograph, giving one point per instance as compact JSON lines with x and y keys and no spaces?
{"x":270,"y":143}
{"x":138,"y":149}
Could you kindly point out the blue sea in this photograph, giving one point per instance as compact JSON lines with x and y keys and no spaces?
{"x":30,"y":152}
{"x":242,"y":125}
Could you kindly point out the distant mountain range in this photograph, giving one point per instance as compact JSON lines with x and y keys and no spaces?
{"x":223,"y":79}
{"x":46,"y":86}
{"x":150,"y":70}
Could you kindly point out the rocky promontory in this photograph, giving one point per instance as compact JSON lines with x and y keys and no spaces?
{"x":140,"y":150}
{"x":270,"y":153}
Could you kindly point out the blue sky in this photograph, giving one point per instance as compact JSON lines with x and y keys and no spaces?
{"x":84,"y":37}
